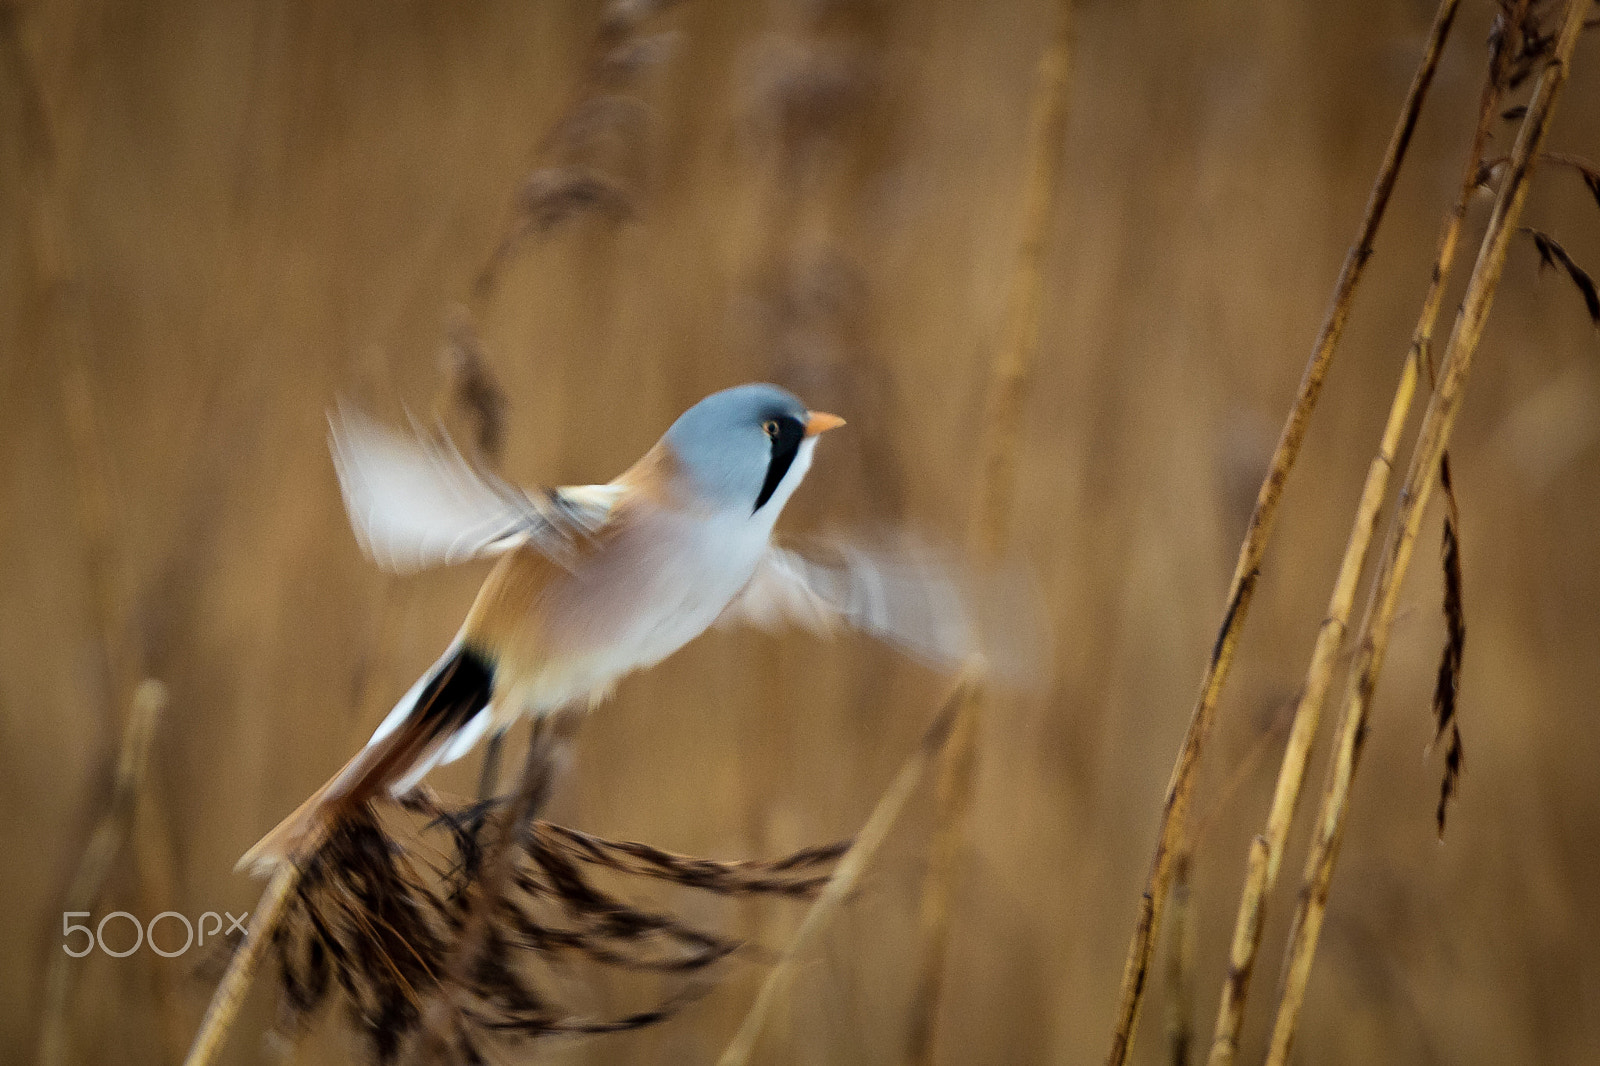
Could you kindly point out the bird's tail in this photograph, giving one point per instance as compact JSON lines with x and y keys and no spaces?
{"x":445,"y":712}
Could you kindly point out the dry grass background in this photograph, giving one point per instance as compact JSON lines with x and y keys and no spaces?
{"x":271,"y":205}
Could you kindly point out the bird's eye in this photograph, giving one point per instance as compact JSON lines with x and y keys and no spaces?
{"x":770,"y":427}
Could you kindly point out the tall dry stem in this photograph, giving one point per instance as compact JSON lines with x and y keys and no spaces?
{"x":1182,"y":936}
{"x":1432,"y":439}
{"x":1009,"y":376}
{"x":94,"y":866}
{"x":1266,"y":850}
{"x":65,"y":336}
{"x":1171,"y":839}
{"x":847,"y":875}
{"x":235,"y":985}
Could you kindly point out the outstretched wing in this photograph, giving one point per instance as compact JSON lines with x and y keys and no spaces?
{"x":904,"y":595}
{"x":414,"y":501}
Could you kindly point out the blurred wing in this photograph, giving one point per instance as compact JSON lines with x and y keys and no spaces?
{"x":414,"y":501}
{"x":903,"y":596}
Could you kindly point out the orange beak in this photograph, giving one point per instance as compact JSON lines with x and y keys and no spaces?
{"x":821,"y":422}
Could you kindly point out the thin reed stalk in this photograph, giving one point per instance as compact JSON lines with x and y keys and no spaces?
{"x":847,"y":875}
{"x":51,"y":142}
{"x":1171,"y":838}
{"x":1265,"y":854}
{"x":1182,"y":936}
{"x":1009,"y":378}
{"x":105,"y":844}
{"x":1432,"y":439}
{"x":235,"y":985}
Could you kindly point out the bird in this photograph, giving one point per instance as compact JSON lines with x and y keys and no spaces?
{"x":593,"y":582}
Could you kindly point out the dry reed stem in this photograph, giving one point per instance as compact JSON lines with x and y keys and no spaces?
{"x":1265,"y":854}
{"x":1012,"y":370}
{"x":470,"y":387}
{"x":231,"y":991}
{"x":122,"y":660}
{"x":1180,"y":966}
{"x":149,"y":700}
{"x":65,"y":340}
{"x":848,"y":873}
{"x":1170,"y":841}
{"x":1009,"y":377}
{"x":1266,"y":850}
{"x":1432,"y":438}
{"x":235,"y":985}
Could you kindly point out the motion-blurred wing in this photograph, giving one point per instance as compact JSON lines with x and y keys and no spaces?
{"x":414,"y":501}
{"x":903,"y":596}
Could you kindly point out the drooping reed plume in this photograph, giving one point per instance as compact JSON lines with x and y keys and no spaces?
{"x":460,"y":937}
{"x":593,"y":161}
{"x":375,"y":921}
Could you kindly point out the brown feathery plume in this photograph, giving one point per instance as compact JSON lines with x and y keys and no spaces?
{"x":818,"y":127}
{"x":372,"y":929}
{"x":472,"y":389}
{"x":366,"y":922}
{"x":494,"y":908}
{"x":593,"y":159}
{"x":445,"y":1019}
{"x":1432,"y":438}
{"x":1264,"y":858}
{"x":1170,"y":841}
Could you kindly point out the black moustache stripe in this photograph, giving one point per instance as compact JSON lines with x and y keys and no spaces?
{"x":785,"y":446}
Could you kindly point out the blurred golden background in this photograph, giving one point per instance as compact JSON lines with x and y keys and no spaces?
{"x":217,"y":218}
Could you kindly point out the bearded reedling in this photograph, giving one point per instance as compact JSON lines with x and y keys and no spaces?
{"x":597,"y":581}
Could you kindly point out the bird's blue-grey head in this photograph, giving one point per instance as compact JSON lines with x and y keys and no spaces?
{"x":748,"y":446}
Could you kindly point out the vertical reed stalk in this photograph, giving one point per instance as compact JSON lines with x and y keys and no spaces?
{"x":1009,"y":377}
{"x":1180,"y":966}
{"x":1266,"y":850}
{"x":235,"y":985}
{"x":848,"y":873}
{"x":107,"y":841}
{"x":465,"y":373}
{"x":1432,"y":439}
{"x":1170,"y":841}
{"x":46,"y":172}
